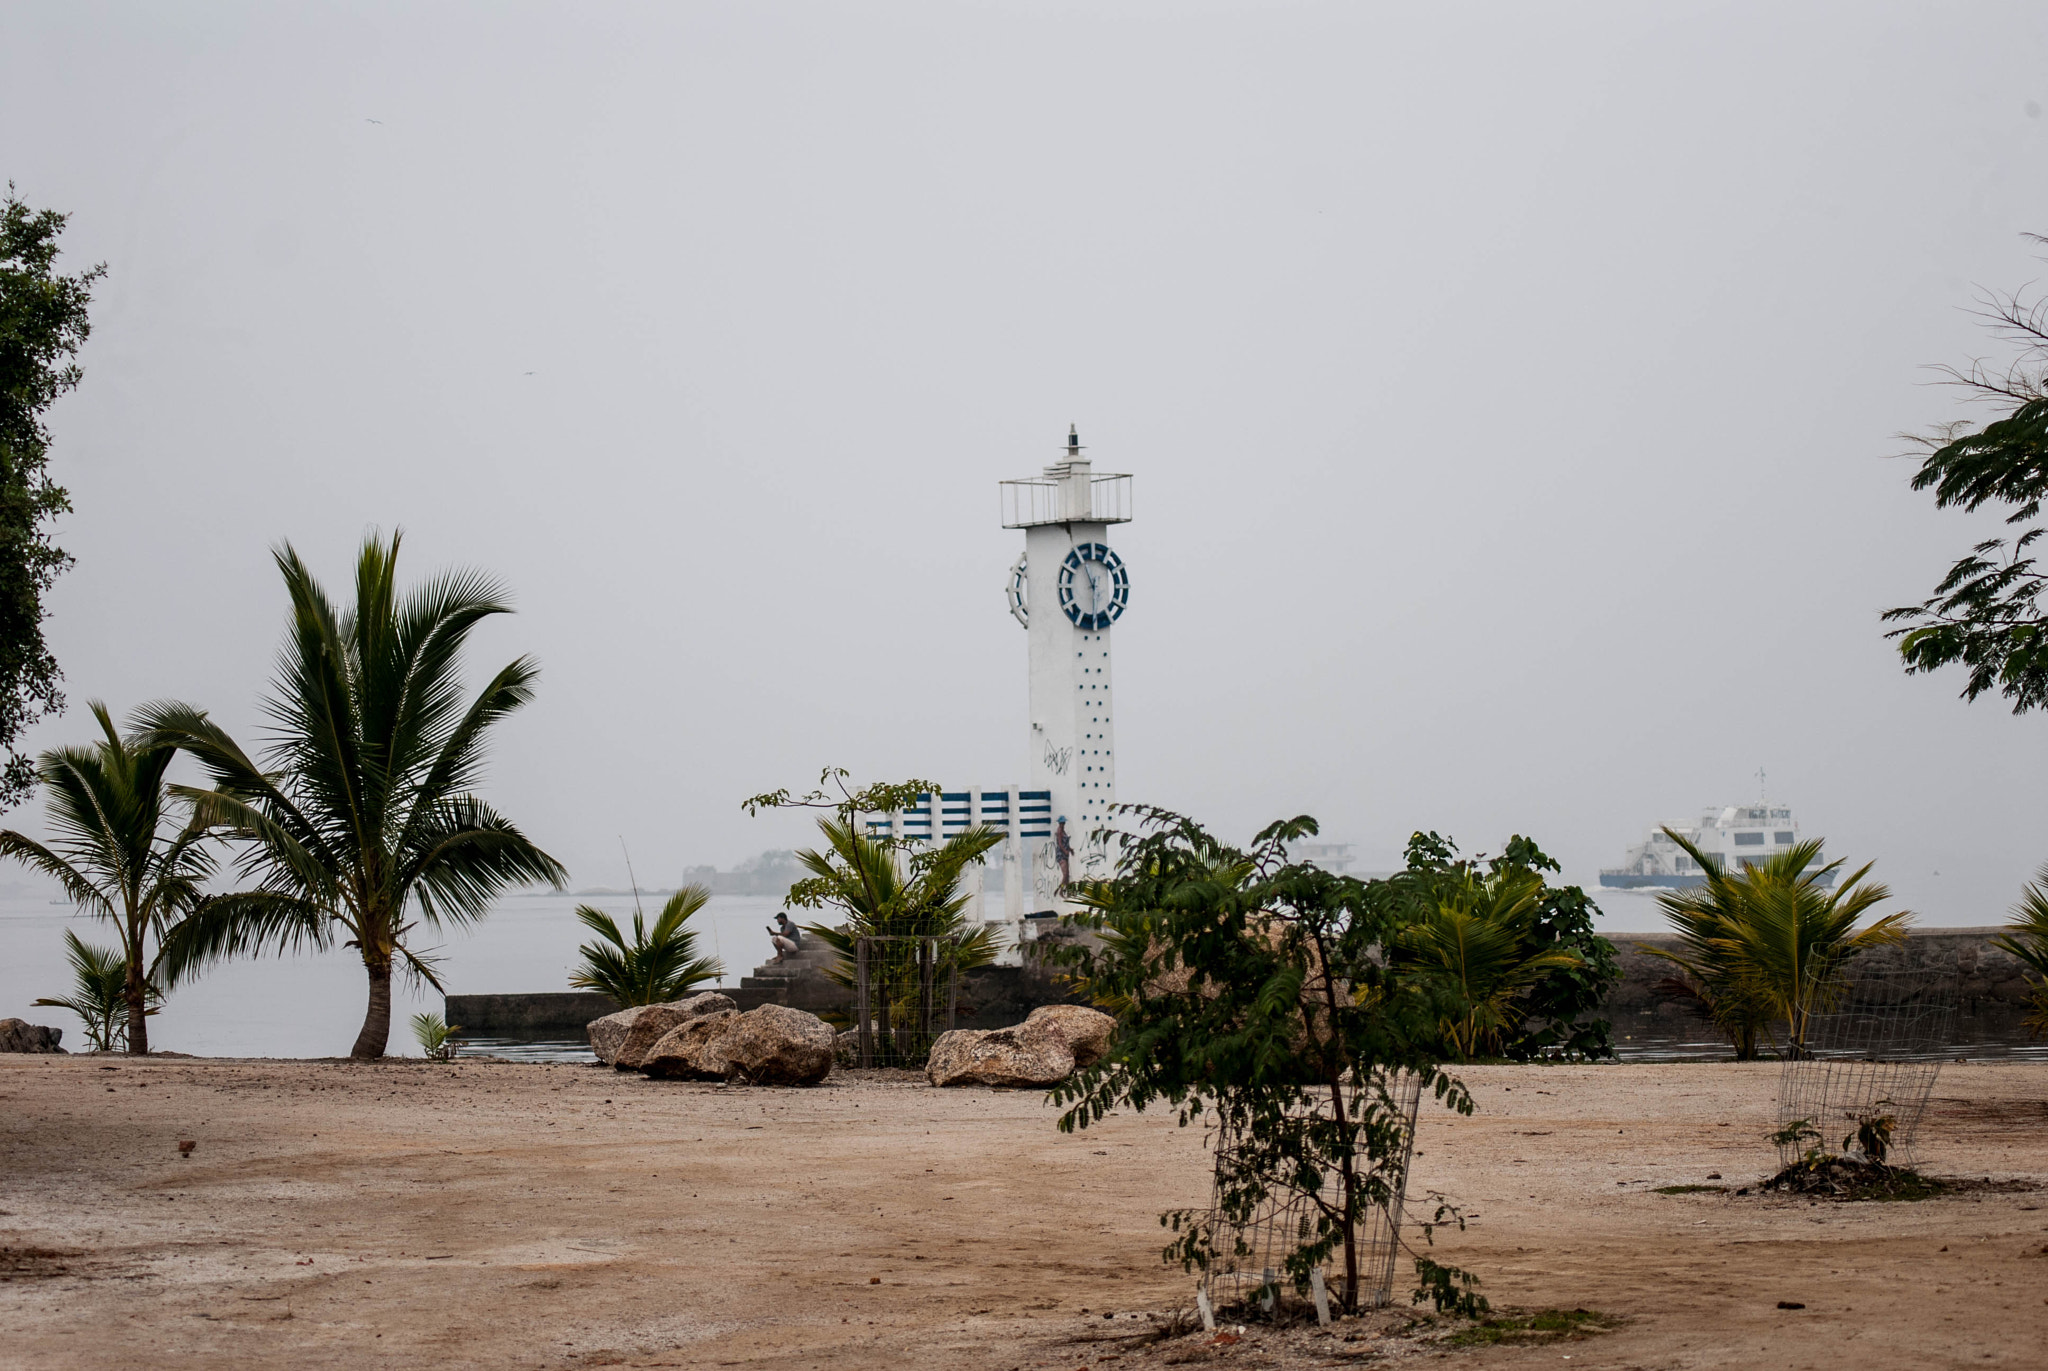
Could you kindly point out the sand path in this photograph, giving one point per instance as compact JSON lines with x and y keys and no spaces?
{"x":498,"y":1215}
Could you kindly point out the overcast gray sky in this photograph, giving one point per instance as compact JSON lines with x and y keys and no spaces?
{"x":1509,"y":391}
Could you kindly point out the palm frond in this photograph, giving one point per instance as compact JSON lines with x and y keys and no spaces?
{"x":100,"y":1000}
{"x":77,"y":887}
{"x":240,"y":924}
{"x":2026,"y":937}
{"x":652,"y":967}
{"x":360,"y":812}
{"x":1768,"y":944}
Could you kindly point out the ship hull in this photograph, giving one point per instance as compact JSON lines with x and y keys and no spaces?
{"x":1629,"y":880}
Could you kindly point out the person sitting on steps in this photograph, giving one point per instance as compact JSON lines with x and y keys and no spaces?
{"x":787,"y":937}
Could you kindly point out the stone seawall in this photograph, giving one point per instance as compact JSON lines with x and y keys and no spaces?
{"x":513,"y":1016}
{"x":1991,"y":984}
{"x":564,"y":1013}
{"x":990,"y":997}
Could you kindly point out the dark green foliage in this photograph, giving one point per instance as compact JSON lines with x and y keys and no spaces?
{"x":883,"y":797}
{"x":2005,"y":462}
{"x":1794,"y":1133}
{"x":360,"y":820}
{"x":653,"y":967}
{"x":43,"y":323}
{"x":883,"y":891}
{"x":884,"y":886}
{"x":1548,"y":970}
{"x":1873,"y":1137}
{"x":1545,"y":1325}
{"x":121,"y":856}
{"x":99,"y":994}
{"x":1986,"y":614}
{"x":1253,"y":990}
{"x":436,"y":1039}
{"x":1769,"y":944}
{"x":1820,"y":1176}
{"x":1451,"y":1289}
{"x":2026,"y":938}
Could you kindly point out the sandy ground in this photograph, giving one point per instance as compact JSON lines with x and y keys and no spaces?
{"x":501,"y":1215}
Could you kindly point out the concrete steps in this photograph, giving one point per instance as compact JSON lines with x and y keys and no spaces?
{"x":815,"y":960}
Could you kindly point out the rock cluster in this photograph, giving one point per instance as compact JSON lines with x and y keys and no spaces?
{"x":1042,"y":1051}
{"x":622,"y":1039}
{"x":17,"y":1035}
{"x":771,"y":1044}
{"x":1086,"y":1030}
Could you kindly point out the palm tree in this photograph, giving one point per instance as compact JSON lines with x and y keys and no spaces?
{"x":885,"y":895}
{"x":888,"y":892}
{"x":99,"y":998}
{"x":1768,"y":944}
{"x":1715,"y":976}
{"x":361,"y":821}
{"x":656,"y":966}
{"x":2026,"y":938}
{"x":1472,"y":938}
{"x":116,"y":854}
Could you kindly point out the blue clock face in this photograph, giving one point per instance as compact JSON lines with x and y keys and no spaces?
{"x":1094,"y":587}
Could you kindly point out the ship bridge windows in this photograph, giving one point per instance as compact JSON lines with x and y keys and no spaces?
{"x":1749,"y":840}
{"x":1784,"y":838}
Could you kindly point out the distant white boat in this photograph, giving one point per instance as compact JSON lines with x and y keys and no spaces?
{"x":1739,"y":836}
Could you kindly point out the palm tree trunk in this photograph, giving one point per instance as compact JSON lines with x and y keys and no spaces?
{"x":377,"y":1021}
{"x":138,"y":1009}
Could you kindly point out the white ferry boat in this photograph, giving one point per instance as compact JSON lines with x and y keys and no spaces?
{"x":1738,"y":836}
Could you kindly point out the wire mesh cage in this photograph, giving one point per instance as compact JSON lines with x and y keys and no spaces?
{"x":906,"y":991}
{"x":1874,"y":1046}
{"x":1248,"y":1254}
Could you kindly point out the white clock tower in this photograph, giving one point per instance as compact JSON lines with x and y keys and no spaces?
{"x":1068,"y":589}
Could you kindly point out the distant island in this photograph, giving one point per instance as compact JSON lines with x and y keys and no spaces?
{"x":771,"y":873}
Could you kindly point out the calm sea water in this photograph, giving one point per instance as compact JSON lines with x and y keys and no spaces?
{"x":312,"y":1006}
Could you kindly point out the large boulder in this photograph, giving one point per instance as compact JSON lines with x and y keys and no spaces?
{"x":1087,"y":1031}
{"x":1025,"y":1057}
{"x":771,"y":1044}
{"x":681,"y":1054}
{"x":17,"y":1035}
{"x":622,"y":1039}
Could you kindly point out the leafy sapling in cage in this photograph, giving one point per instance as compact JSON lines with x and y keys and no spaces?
{"x":905,"y":899}
{"x":1801,"y":1137}
{"x":1254,"y":993}
{"x":1873,"y":1137}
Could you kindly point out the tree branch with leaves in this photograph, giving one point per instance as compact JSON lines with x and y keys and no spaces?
{"x":1257,"y":993}
{"x":1986,"y":614}
{"x":43,"y":324}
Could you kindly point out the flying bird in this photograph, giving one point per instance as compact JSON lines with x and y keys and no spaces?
{"x":367,"y":120}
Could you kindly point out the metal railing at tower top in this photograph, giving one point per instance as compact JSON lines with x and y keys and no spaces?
{"x":1043,"y":500}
